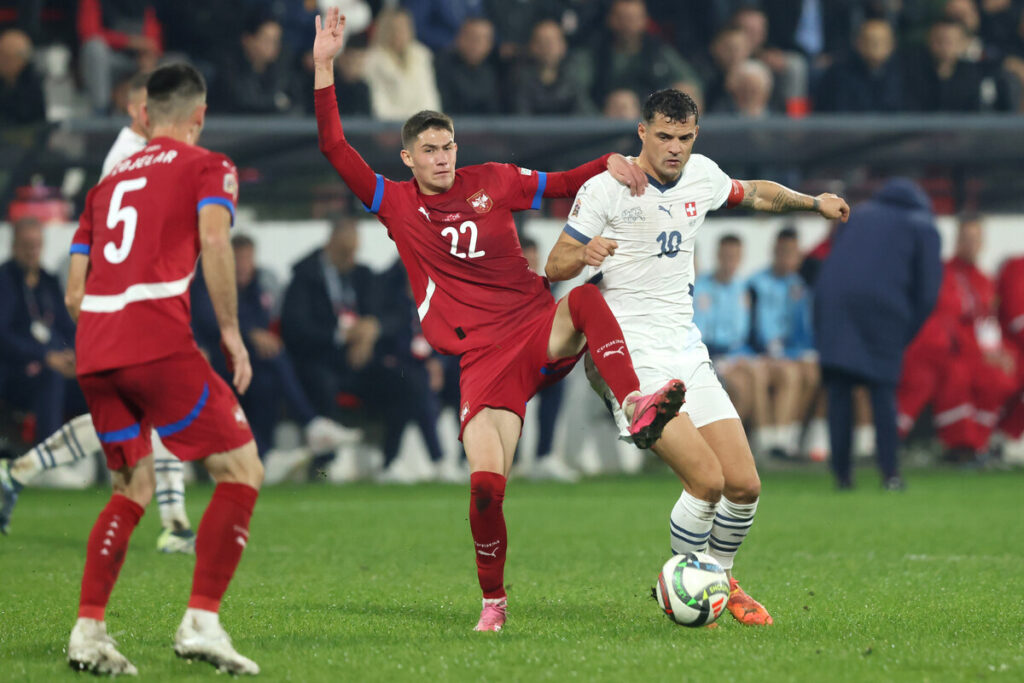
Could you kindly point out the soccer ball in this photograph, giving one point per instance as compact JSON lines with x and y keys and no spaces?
{"x":692,"y":589}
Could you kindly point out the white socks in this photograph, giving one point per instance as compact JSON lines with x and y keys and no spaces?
{"x":170,"y":487}
{"x":74,"y":441}
{"x":690,"y":524}
{"x":731,"y":524}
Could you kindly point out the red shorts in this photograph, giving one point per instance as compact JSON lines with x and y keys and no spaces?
{"x":508,"y":375}
{"x":194,"y":412}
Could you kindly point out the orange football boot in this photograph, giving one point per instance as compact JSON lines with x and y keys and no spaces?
{"x":746,"y":609}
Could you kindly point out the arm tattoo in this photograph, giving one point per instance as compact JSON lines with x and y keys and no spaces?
{"x":749,"y":194}
{"x":787,"y":200}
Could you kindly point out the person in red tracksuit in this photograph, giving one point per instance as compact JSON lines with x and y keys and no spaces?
{"x":959,"y":362}
{"x":1010,"y":290}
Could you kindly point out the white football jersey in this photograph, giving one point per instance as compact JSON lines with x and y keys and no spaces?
{"x":648,"y":282}
{"x":128,"y":142}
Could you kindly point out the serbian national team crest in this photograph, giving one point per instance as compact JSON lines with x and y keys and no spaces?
{"x":481,"y":202}
{"x":691,"y":209}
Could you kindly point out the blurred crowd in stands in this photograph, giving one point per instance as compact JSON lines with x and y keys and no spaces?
{"x":342,"y":341}
{"x":64,"y":58}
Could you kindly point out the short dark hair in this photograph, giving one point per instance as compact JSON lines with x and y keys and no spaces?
{"x":787,"y":233}
{"x":425,"y":120}
{"x":729,"y":238}
{"x":673,"y":104}
{"x":138,"y":81}
{"x":171,"y":86}
{"x":239,"y":241}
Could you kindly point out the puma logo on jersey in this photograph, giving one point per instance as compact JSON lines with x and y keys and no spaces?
{"x":465,"y":412}
{"x":668,"y":210}
{"x":425,"y":213}
{"x":481,"y":202}
{"x":620,"y":351}
{"x":493,"y":553}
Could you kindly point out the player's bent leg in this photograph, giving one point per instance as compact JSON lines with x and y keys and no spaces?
{"x":73,"y":442}
{"x":90,"y":648}
{"x":683,"y":449}
{"x":735,"y":513}
{"x":223,"y":535}
{"x":490,"y":439}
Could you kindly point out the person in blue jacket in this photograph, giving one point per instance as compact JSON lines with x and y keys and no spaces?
{"x":780,"y":331}
{"x":876,"y":288}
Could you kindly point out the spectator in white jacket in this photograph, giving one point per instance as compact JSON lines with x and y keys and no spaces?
{"x":399,"y":69}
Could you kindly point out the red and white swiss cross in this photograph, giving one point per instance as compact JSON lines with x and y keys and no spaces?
{"x":691,"y":209}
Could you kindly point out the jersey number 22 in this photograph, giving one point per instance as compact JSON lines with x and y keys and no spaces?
{"x":453,"y":234}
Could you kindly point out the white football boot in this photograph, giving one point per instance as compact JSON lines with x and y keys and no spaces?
{"x":324,"y":435}
{"x":201,"y":636}
{"x":91,"y":649}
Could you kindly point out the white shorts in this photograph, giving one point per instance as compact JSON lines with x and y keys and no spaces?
{"x":706,"y":400}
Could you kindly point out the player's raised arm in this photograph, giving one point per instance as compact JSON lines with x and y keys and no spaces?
{"x":360,"y":178}
{"x":765,"y":195}
{"x":568,"y":183}
{"x":218,"y":261}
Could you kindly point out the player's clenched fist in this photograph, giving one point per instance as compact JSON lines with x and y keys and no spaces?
{"x":330,"y":37}
{"x":833,"y":206}
{"x":598,"y":249}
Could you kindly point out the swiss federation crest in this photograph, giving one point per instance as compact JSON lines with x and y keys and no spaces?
{"x":481,"y":202}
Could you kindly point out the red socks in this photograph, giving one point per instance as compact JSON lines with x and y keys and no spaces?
{"x":591,"y":316}
{"x":108,"y":543}
{"x":487,"y":522}
{"x":222,"y":536}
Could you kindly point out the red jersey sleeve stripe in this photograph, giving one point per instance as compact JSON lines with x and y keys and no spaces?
{"x":80,"y":249}
{"x":542,"y":182}
{"x":226,"y":203}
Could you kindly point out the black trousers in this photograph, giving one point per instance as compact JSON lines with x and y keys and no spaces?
{"x":839,"y":385}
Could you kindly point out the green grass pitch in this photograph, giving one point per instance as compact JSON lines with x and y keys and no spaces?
{"x":364,"y":583}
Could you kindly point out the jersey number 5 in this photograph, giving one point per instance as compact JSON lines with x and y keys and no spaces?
{"x":122,"y":214}
{"x":453,"y":235}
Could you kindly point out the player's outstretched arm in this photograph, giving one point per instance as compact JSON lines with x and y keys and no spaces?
{"x":569,"y":256}
{"x":568,"y":183}
{"x":765,"y":195}
{"x":218,"y":261}
{"x":75,"y":291}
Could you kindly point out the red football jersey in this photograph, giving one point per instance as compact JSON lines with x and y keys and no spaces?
{"x":140,"y":229}
{"x":469,"y":277}
{"x":467,"y":270}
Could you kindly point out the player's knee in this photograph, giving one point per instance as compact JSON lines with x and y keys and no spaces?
{"x":138,"y":485}
{"x":744,"y":490}
{"x":240,"y":466}
{"x":707,"y":486}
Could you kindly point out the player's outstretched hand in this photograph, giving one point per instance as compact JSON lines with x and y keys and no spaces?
{"x":238,"y":360}
{"x":833,"y":206}
{"x":330,"y":37}
{"x":598,"y":249}
{"x":628,"y":173}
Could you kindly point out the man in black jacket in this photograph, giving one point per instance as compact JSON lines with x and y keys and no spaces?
{"x":21,"y":88}
{"x":331,"y":321}
{"x":875,"y":290}
{"x":37,"y":337}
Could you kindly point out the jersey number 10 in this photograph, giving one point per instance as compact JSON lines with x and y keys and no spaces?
{"x":122,"y":214}
{"x":453,"y":235}
{"x":670,"y":242}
